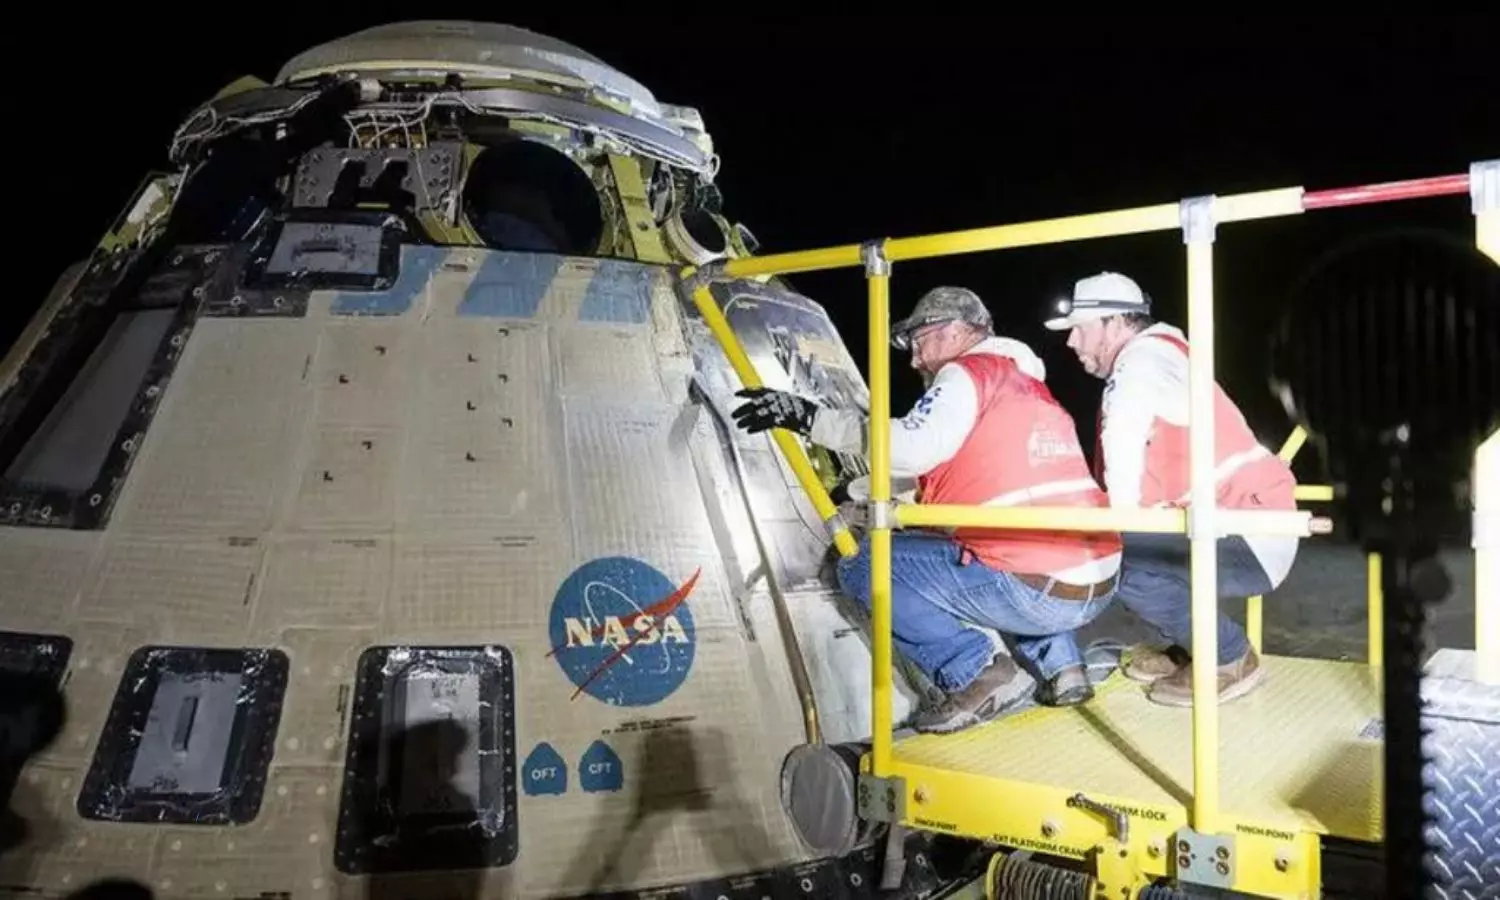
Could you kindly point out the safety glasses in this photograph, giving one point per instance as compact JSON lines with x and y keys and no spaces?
{"x":903,"y":339}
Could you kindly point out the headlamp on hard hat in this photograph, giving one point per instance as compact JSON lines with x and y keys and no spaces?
{"x":1074,"y":311}
{"x":1097,"y":298}
{"x":1067,"y":305}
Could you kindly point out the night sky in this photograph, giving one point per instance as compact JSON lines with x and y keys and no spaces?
{"x":864,"y":125}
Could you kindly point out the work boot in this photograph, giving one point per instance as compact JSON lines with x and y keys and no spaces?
{"x":999,"y":687}
{"x":1235,"y":680}
{"x":1148,"y":664}
{"x":1069,"y":687}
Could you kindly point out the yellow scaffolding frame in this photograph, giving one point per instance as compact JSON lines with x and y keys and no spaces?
{"x":1203,"y":522}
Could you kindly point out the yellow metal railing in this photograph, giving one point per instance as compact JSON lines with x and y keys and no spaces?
{"x":878,"y":275}
{"x":1203,"y":522}
{"x":1140,"y":220}
{"x":1197,"y":218}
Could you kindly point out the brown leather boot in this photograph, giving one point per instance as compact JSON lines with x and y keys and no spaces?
{"x":1235,"y":680}
{"x":1149,"y":664}
{"x":999,"y":687}
{"x":1069,"y":687}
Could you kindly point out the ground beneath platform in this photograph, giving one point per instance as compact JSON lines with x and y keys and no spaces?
{"x":1320,"y":611}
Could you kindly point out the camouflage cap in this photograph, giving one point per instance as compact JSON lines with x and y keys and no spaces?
{"x":942,"y":304}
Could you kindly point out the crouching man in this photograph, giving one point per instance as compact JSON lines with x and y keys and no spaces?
{"x":1143,"y":452}
{"x":986,"y":432}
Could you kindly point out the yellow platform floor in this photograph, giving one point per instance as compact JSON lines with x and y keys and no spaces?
{"x":1301,"y":753}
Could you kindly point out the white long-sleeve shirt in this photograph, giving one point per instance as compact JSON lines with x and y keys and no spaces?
{"x":934,"y":430}
{"x":1150,"y":381}
{"x":931,"y":433}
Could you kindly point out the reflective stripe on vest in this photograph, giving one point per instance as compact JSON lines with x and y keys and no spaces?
{"x":1246,"y":475}
{"x":1029,"y":496}
{"x":1023,"y":450}
{"x":1229,"y":466}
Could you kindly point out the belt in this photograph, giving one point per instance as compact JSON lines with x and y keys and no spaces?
{"x":1059,"y":589}
{"x":1064,"y":591}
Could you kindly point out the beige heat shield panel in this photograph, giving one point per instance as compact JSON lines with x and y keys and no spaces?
{"x":467,"y":471}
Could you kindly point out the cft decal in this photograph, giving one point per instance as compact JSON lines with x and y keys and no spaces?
{"x":622,"y":631}
{"x":600,"y":770}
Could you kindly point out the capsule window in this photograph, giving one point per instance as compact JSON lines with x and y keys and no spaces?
{"x":189,"y":737}
{"x":429,"y":773}
{"x":71,"y":444}
{"x":524,"y":196}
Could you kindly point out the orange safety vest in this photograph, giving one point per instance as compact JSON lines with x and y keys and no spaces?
{"x":1022,"y":451}
{"x":1246,"y":474}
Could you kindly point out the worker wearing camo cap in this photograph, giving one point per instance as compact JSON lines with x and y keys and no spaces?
{"x":1142,"y":461}
{"x":986,"y":432}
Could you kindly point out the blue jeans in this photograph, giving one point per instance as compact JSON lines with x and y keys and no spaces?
{"x":943,"y":611}
{"x":1154,"y":586}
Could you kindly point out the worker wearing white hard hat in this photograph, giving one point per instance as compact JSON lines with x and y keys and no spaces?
{"x":1141,"y":460}
{"x":1099,"y":297}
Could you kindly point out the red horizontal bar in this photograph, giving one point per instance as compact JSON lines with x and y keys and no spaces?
{"x":1392,"y":190}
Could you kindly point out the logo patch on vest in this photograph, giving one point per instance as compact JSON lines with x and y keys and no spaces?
{"x":1048,"y":444}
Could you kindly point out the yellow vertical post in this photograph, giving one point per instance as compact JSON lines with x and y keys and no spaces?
{"x":878,"y":274}
{"x":1202,"y":522}
{"x":1255,"y":620}
{"x":1486,"y":534}
{"x":1374,"y":610}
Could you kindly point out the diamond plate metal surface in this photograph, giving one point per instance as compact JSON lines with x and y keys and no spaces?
{"x":1462,"y":777}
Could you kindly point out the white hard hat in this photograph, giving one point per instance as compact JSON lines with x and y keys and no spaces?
{"x":1097,"y":297}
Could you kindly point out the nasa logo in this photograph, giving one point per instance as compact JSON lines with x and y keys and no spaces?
{"x":622,"y":632}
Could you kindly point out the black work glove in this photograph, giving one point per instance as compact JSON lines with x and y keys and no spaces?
{"x":768,"y":408}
